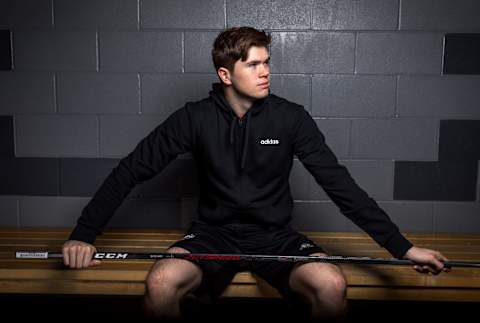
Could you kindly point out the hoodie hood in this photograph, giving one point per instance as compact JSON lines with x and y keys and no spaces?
{"x":257,"y":107}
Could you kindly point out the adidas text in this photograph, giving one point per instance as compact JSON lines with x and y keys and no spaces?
{"x":269,"y":142}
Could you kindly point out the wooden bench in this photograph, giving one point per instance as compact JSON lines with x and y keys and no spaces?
{"x":365,"y":282}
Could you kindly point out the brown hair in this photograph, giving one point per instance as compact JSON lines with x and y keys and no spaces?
{"x":234,"y":43}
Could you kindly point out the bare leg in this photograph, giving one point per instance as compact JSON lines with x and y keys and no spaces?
{"x":323,"y":286}
{"x":167,"y":283}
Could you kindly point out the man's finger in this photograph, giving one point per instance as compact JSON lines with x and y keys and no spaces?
{"x":80,"y":255}
{"x":438,"y":264}
{"x":87,"y":258}
{"x":65,"y":257}
{"x":72,"y":256}
{"x":443,"y":258}
{"x":433,"y":269}
{"x":421,"y":269}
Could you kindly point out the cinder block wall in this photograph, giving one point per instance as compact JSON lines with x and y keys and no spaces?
{"x":393,"y":84}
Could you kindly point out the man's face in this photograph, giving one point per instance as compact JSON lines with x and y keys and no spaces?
{"x":251,"y":78}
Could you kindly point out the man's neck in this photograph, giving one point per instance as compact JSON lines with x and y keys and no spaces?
{"x":239,"y":104}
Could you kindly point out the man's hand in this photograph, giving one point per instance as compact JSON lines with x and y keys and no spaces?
{"x":427,"y":260}
{"x":78,"y":254}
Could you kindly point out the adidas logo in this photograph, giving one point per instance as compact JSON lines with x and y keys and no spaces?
{"x":269,"y":142}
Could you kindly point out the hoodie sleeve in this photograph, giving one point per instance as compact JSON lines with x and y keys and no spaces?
{"x":151,"y":155}
{"x":311,"y":149}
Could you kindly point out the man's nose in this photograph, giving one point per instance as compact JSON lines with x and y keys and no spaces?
{"x":265,"y":70}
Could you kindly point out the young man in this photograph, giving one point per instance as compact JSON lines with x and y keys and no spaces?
{"x":243,"y":140}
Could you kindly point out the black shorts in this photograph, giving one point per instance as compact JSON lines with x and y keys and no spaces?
{"x":235,"y":238}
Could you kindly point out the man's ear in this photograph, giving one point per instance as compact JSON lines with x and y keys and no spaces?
{"x":224,"y":75}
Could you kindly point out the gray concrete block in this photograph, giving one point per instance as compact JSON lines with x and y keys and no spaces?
{"x":478,"y":183}
{"x":140,"y":51}
{"x":410,"y":216}
{"x":337,"y":135}
{"x":312,"y":52}
{"x":91,"y":14}
{"x":24,"y":92}
{"x":452,"y":96}
{"x":25,"y":14}
{"x":404,"y":139}
{"x":7,"y":138}
{"x":355,"y":15}
{"x":198,"y":52}
{"x":182,"y":14}
{"x":30,"y":176}
{"x":165,"y":93}
{"x":318,"y":216}
{"x":83,"y":176}
{"x":443,"y":15}
{"x":146,"y":213}
{"x":119,"y":135}
{"x":353,"y":96}
{"x":399,"y":53}
{"x":98,"y":93}
{"x":56,"y":136}
{"x":276,"y":14}
{"x":55,"y":51}
{"x":374,"y":177}
{"x":456,"y":217}
{"x":42,"y":211}
{"x":9,"y":211}
{"x":295,"y":88}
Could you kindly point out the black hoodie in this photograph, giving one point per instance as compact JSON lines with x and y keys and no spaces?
{"x":243,"y":168}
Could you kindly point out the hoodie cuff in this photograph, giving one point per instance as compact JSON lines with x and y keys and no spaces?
{"x":82,"y":233}
{"x":398,"y":245}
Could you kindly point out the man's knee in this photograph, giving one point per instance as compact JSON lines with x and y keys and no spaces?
{"x":173,"y":277}
{"x":323,"y":286}
{"x":333,"y":283}
{"x":319,"y":279}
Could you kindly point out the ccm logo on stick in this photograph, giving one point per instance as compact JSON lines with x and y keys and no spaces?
{"x":113,"y":255}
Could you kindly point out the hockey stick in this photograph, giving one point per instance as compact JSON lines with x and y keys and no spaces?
{"x":240,"y":257}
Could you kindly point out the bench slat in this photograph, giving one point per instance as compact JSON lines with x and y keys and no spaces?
{"x":127,"y":277}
